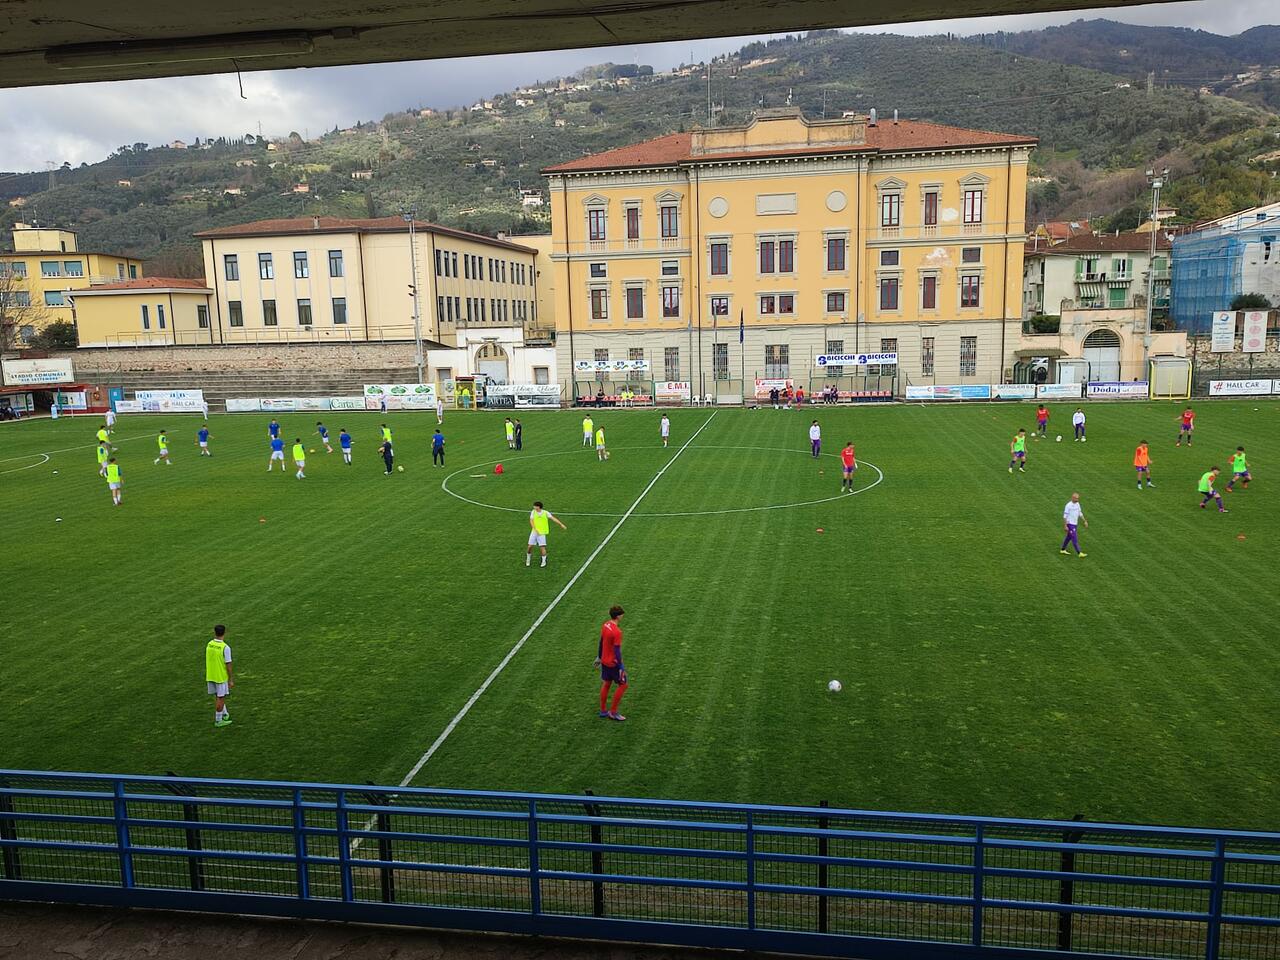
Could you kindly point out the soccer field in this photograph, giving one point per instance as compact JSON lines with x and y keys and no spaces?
{"x":983,"y":672}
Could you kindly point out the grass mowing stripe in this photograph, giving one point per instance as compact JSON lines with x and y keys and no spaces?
{"x":471,"y":701}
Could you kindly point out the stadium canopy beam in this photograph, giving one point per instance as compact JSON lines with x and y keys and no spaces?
{"x":71,"y":41}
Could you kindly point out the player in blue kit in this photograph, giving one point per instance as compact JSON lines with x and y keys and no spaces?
{"x":202,"y":438}
{"x":277,"y":453}
{"x":273,"y":430}
{"x":437,"y":448}
{"x":324,"y":436}
{"x":344,"y":441}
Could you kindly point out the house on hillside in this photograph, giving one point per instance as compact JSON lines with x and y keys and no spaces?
{"x":1107,"y":272}
{"x":124,"y":183}
{"x":18,"y":202}
{"x":246,"y":163}
{"x":1056,"y":231}
{"x":361,"y":174}
{"x":531,"y":198}
{"x":488,"y":162}
{"x":560,"y":121}
{"x":232,"y":192}
{"x":302,"y":188}
{"x":426,"y":112}
{"x":178,"y":145}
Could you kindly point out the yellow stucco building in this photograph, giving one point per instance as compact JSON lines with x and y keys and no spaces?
{"x":46,"y":265}
{"x":818,"y":237}
{"x":147,"y":312}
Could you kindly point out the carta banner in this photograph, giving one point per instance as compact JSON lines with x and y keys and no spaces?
{"x":959,"y":391}
{"x":853,"y":359}
{"x":1016,"y":391}
{"x":1118,"y":390}
{"x":1058,"y":391}
{"x":406,"y":396}
{"x":1240,"y":388}
{"x":346,"y":403}
{"x":244,"y":404}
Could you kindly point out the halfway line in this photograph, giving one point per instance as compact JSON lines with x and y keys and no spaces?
{"x":466,"y":707}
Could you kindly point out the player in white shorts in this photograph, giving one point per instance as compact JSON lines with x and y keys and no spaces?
{"x":666,"y":429}
{"x":111,"y":419}
{"x":539,"y":526}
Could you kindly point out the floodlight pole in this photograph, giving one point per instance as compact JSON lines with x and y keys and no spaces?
{"x":1157,"y":182}
{"x":410,"y":215}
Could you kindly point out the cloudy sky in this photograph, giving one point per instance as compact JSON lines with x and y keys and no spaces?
{"x":85,"y":122}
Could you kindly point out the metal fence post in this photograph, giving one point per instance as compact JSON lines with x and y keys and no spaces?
{"x":191,"y":813}
{"x":751,"y":871}
{"x":387,"y":874}
{"x":344,"y":847}
{"x":823,"y":823}
{"x":1067,"y":888}
{"x":1217,"y":878}
{"x":535,"y":881}
{"x":597,"y":859}
{"x":979,"y":856}
{"x":300,"y":846}
{"x":9,"y":831}
{"x":120,"y":811}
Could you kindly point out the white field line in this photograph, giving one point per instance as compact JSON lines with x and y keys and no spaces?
{"x":471,"y":701}
{"x":83,"y":446}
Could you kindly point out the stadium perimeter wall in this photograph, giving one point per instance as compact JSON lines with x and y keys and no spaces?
{"x":114,"y":361}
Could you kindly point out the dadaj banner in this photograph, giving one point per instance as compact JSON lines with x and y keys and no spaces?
{"x":1118,"y":390}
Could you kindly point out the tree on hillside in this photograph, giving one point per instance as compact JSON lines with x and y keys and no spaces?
{"x":18,"y":315}
{"x":1250,"y":301}
{"x":181,"y":260}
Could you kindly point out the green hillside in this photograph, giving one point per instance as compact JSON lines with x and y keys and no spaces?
{"x":465,"y":168}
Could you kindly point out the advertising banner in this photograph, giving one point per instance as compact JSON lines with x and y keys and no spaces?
{"x":609,"y":366}
{"x":1224,"y":332}
{"x":419,"y":395}
{"x":1122,"y":390}
{"x":346,"y":403}
{"x":959,"y":391}
{"x":313,"y":403}
{"x":133,"y":406}
{"x":1255,"y":331}
{"x":75,"y":400}
{"x":1016,"y":391}
{"x":674,"y":390}
{"x":523,"y":395}
{"x":246,"y":404}
{"x":278,"y":403}
{"x":170,"y":401}
{"x":21,"y":373}
{"x":853,"y":359}
{"x":765,"y":384}
{"x":1241,"y":388}
{"x":1058,"y":391}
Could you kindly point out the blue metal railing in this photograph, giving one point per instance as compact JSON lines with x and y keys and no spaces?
{"x":813,"y":880}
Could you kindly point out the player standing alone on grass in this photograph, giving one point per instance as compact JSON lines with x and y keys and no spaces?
{"x":162,"y":442}
{"x":815,"y":439}
{"x":1072,"y":517}
{"x":1042,"y":421}
{"x":1239,"y":470}
{"x":539,"y":526}
{"x":588,"y":428}
{"x":277,"y":453}
{"x":110,"y":417}
{"x":848,"y":465}
{"x":299,"y":458}
{"x":1077,"y":423}
{"x":344,"y":442}
{"x":217,"y":675}
{"x":602,"y":452}
{"x":437,"y":448}
{"x":273,"y":429}
{"x":519,"y":434}
{"x":609,"y":658}
{"x":202,"y":440}
{"x":113,"y":480}
{"x":1018,"y":452}
{"x":1186,"y":426}
{"x":511,"y":434}
{"x":1142,"y":464}
{"x":439,"y":411}
{"x":664,"y":428}
{"x":324,"y":436}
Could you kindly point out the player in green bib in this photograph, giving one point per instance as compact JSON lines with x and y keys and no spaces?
{"x":299,"y":458}
{"x":102,"y":459}
{"x":602,"y":452}
{"x":1239,"y":470}
{"x":217,"y":675}
{"x":1018,"y":452}
{"x":112,"y":473}
{"x":104,"y":437}
{"x":588,"y":428}
{"x":386,"y":434}
{"x":1207,"y":491}
{"x":162,"y":442}
{"x":540,"y":521}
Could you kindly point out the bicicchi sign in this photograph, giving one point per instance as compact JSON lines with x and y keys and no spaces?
{"x":853,"y":359}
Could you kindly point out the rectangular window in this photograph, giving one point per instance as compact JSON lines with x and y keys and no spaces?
{"x":160,"y":315}
{"x":457,"y":308}
{"x":719,"y":306}
{"x":480,"y":268}
{"x":671,"y":268}
{"x":671,"y":363}
{"x":601,"y":356}
{"x":888,"y":293}
{"x":455,"y":265}
{"x":448,"y":309}
{"x":595,"y":224}
{"x":50,"y":268}
{"x":787,"y":303}
{"x":970,"y":254}
{"x":635,"y":303}
{"x":231,"y":266}
{"x":969,"y":291}
{"x":18,"y":270}
{"x":768,"y":304}
{"x":22,"y":298}
{"x":931,"y":209}
{"x":834,"y":370}
{"x":719,"y":259}
{"x":890,"y":210}
{"x":888,"y":258}
{"x":836,"y":253}
{"x":835,"y":303}
{"x":889,"y":345}
{"x":766,"y":256}
{"x":301,"y":270}
{"x":973,"y":206}
{"x":266,"y":269}
{"x":73,"y":268}
{"x":636,"y":376}
{"x":202,"y":316}
{"x":54,"y":298}
{"x":670,"y":222}
{"x":339,"y":310}
{"x":670,"y":302}
{"x":146,"y":317}
{"x":440,"y":310}
{"x":133,"y":271}
{"x":541,"y":375}
{"x":633,"y":223}
{"x":269,"y":316}
{"x":786,"y":256}
{"x":720,"y":361}
{"x":466,"y":266}
{"x":439,"y":273}
{"x":777,"y":360}
{"x":929,"y":293}
{"x":335,"y":263}
{"x":235,"y":313}
{"x":968,"y":356}
{"x":304,"y":313}
{"x":599,"y":304}
{"x":599,"y":270}
{"x":926,"y":356}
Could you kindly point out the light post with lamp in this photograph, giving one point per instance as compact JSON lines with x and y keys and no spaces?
{"x":1157,"y":181}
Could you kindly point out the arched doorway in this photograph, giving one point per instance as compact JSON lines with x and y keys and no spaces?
{"x":1102,"y":349}
{"x":491,"y":362}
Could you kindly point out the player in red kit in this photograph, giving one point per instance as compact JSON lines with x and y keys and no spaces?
{"x":848,"y":463}
{"x":1188,"y":425}
{"x":611,"y":669}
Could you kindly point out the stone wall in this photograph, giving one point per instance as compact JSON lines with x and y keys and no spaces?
{"x":290,"y":357}
{"x":1269,"y":359}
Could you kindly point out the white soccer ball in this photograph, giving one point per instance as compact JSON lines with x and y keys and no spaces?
{"x":835,"y":686}
{"x":1058,"y":438}
{"x":1084,"y":439}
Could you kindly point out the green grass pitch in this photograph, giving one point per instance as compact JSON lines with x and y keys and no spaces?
{"x":983,"y":672}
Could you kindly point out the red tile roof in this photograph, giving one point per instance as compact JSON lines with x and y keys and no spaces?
{"x":886,"y":136}
{"x":1105,"y":243}
{"x":150,"y":283}
{"x":304,"y":225}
